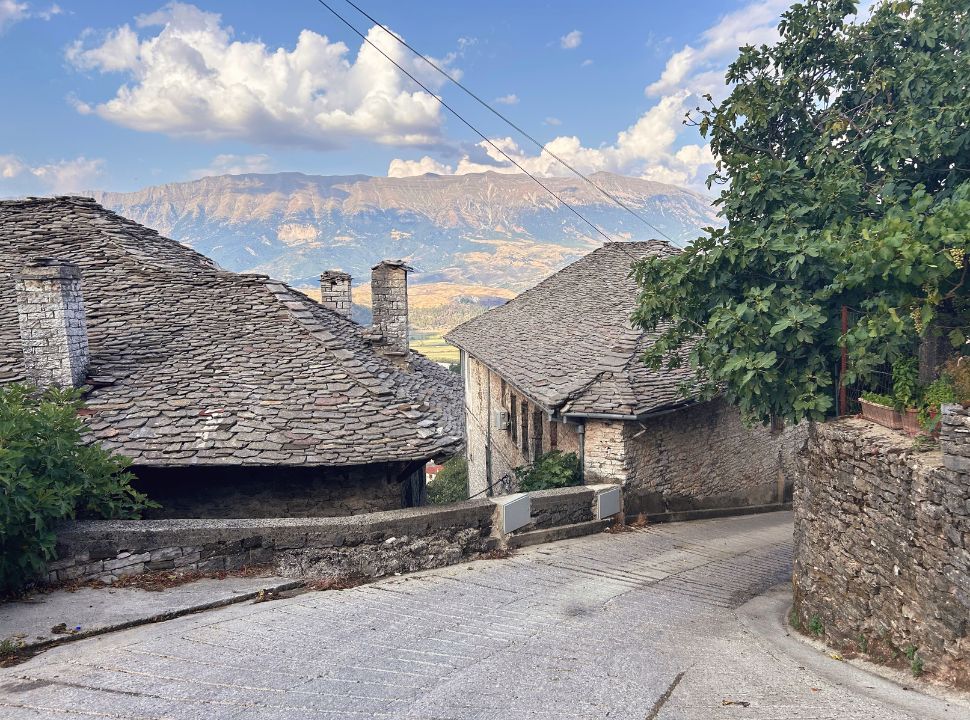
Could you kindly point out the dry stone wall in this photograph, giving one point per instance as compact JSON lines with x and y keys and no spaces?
{"x":882,"y":545}
{"x":370,"y":545}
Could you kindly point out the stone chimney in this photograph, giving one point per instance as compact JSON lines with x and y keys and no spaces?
{"x":389,"y":300}
{"x":53,"y":330}
{"x":335,"y":291}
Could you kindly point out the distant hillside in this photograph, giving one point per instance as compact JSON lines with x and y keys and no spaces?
{"x":490,"y":229}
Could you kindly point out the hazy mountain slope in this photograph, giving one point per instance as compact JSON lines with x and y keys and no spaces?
{"x":489,"y":229}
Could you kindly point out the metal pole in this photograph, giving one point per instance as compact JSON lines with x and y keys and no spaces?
{"x":845,"y":361}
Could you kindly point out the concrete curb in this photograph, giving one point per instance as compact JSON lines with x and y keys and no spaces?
{"x":766,"y":616}
{"x":29,"y":649}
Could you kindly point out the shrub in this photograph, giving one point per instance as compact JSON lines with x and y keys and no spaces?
{"x":554,"y":469}
{"x":49,"y":474}
{"x":907,"y":392}
{"x":877,"y":399}
{"x":937,"y":393}
{"x":958,"y":371}
{"x":451,"y":483}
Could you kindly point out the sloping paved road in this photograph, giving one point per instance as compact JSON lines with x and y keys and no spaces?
{"x":636,"y":625}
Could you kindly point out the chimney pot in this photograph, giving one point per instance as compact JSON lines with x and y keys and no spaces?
{"x":389,"y":299}
{"x":335,"y":292}
{"x":53,"y":329}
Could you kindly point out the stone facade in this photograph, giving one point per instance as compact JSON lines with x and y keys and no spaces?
{"x":703,"y":458}
{"x":52,"y":323}
{"x":389,"y":303}
{"x":882,"y":545}
{"x":699,"y":458}
{"x":268,"y":492}
{"x":372,"y":545}
{"x":335,"y":292}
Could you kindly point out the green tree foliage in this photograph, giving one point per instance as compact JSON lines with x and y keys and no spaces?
{"x":554,"y":469}
{"x":844,"y":155}
{"x":451,"y":483}
{"x":47,"y":475}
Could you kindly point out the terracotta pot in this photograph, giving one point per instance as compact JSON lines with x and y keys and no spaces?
{"x":910,"y":418}
{"x":881,"y":415}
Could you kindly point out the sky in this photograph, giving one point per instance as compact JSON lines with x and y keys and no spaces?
{"x":123,"y":95}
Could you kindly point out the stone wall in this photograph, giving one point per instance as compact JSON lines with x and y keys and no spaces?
{"x":370,"y":545}
{"x":262,"y":492}
{"x":493,"y":451}
{"x":882,"y":545}
{"x":53,"y":329}
{"x":704,"y":458}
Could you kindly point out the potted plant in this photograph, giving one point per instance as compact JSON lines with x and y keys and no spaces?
{"x":938,"y":392}
{"x":907,"y":394}
{"x":879,"y":409}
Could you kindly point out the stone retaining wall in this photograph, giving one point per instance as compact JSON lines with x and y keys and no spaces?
{"x":882,"y":546}
{"x":372,"y":544}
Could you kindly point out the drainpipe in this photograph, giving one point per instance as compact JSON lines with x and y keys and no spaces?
{"x":581,"y":431}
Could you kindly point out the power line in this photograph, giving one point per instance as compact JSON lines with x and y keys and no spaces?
{"x":463,"y":120}
{"x":487,"y":106}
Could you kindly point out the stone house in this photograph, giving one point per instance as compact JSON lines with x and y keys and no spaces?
{"x":558,"y":367}
{"x":234,"y":395}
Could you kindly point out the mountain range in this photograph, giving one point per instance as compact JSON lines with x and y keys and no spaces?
{"x":486,"y":229}
{"x":475,"y":240}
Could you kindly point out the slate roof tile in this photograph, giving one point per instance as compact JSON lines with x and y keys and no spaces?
{"x":191,"y":364}
{"x":568,"y":343}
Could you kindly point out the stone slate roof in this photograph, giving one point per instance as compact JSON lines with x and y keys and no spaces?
{"x":568,"y":343}
{"x":194,"y":365}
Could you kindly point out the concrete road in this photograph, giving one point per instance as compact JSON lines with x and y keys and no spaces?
{"x":654,"y":624}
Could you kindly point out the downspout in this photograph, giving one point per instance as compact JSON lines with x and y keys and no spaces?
{"x":581,"y":431}
{"x":488,"y":432}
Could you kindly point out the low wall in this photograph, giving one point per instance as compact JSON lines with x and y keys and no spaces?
{"x":372,"y":544}
{"x":882,"y":546}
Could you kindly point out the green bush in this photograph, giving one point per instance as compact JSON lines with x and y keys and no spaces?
{"x":48,"y":474}
{"x":937,"y":393}
{"x":554,"y":469}
{"x":451,"y":483}
{"x":877,"y":399}
{"x":907,"y":391}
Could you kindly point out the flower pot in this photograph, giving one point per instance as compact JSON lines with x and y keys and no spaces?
{"x":881,"y":415}
{"x":910,"y":421}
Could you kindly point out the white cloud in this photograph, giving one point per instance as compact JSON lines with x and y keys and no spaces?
{"x":586,"y":63}
{"x":410,"y":168}
{"x":571,"y":41}
{"x":702,"y":67}
{"x":656,"y":146}
{"x":229,"y":164}
{"x":553,"y":121}
{"x":63,"y":176}
{"x":510,"y":99}
{"x":12,"y":12}
{"x":190,"y":78}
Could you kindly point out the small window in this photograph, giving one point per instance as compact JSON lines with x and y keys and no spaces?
{"x":553,"y":435}
{"x":525,"y":429}
{"x":536,"y":434}
{"x":513,"y":419}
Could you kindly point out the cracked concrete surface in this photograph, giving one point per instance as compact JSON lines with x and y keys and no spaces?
{"x":646,"y":624}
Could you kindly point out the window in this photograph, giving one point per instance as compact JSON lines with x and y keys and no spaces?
{"x":536,"y":434}
{"x":525,"y":429}
{"x":553,"y":435}
{"x":513,"y":419}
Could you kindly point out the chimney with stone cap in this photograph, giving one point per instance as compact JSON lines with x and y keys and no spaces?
{"x":53,"y":329}
{"x":389,"y":300}
{"x":335,"y":292}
